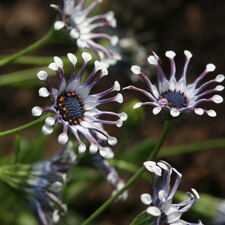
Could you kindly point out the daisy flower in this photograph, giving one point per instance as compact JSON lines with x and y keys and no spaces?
{"x":40,"y":184}
{"x":175,"y":95}
{"x":75,"y":108}
{"x":74,"y":17}
{"x":160,"y":205}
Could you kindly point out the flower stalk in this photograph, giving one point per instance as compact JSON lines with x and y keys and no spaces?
{"x":134,"y":178}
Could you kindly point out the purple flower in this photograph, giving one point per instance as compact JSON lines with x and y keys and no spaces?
{"x":176,"y":96}
{"x":76,"y":108}
{"x":40,"y":184}
{"x":160,"y":205}
{"x":74,"y":17}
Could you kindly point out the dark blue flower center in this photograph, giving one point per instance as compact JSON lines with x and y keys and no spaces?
{"x":69,"y":21}
{"x":71,"y":108}
{"x":175,"y":99}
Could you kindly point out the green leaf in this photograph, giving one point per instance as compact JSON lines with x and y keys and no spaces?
{"x":142,"y":219}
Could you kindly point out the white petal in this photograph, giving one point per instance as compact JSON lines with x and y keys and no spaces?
{"x":174,"y":112}
{"x":57,"y":186}
{"x":163,"y":165}
{"x":137,"y":105}
{"x":195,"y":193}
{"x":123,"y":116}
{"x":62,"y":138}
{"x":72,"y":58}
{"x":74,"y":33}
{"x":53,"y":66}
{"x":36,"y":111}
{"x":47,"y":130}
{"x":59,"y":25}
{"x":104,"y":72}
{"x":82,"y":148}
{"x":187,"y":54}
{"x":210,"y":67}
{"x":162,"y":195}
{"x":119,"y":98}
{"x":220,"y":78}
{"x":112,"y":141}
{"x":119,"y":123}
{"x":106,"y":153}
{"x":110,"y":15}
{"x":219,"y":87}
{"x":199,"y":111}
{"x":211,"y":113}
{"x":154,"y":211}
{"x":42,"y":75}
{"x":98,"y":65}
{"x":114,"y":40}
{"x":54,"y":6}
{"x":116,"y":86}
{"x":58,"y":62}
{"x":170,"y":54}
{"x":93,"y":148}
{"x":152,"y":60}
{"x":156,"y":110}
{"x":49,"y":121}
{"x":55,"y":216}
{"x":146,"y":199}
{"x":85,"y":124}
{"x":217,"y":99}
{"x":136,"y":69}
{"x":43,"y":92}
{"x":86,"y":56}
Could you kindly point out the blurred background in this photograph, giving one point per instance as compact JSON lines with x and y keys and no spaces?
{"x":142,"y":26}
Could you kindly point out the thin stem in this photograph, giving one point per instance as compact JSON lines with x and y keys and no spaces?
{"x":43,"y":41}
{"x":134,"y":178}
{"x":24,"y":127}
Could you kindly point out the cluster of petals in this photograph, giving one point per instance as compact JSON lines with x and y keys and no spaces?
{"x":82,"y":109}
{"x":160,"y":205}
{"x":75,"y":18}
{"x":40,"y":184}
{"x":175,"y":95}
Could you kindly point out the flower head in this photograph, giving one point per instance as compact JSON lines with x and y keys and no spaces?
{"x":74,"y":17}
{"x":40,"y":184}
{"x":75,"y":107}
{"x":176,"y":96}
{"x":162,"y":209}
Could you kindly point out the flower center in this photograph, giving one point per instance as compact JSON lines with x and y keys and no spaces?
{"x":175,"y":99}
{"x":69,"y":21}
{"x":71,"y":108}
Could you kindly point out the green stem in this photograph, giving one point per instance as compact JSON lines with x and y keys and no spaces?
{"x":24,"y":127}
{"x":43,"y":41}
{"x":134,"y":178}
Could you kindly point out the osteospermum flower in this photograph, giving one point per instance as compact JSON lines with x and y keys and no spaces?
{"x":160,"y":205}
{"x":175,"y":95}
{"x":75,"y":18}
{"x":40,"y":184}
{"x":75,"y":107}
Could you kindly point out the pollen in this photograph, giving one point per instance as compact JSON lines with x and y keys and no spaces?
{"x":175,"y":99}
{"x":71,"y":108}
